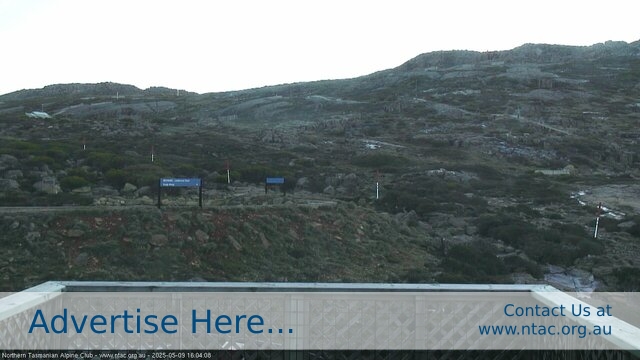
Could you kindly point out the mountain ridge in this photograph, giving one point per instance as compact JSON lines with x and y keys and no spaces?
{"x":538,"y":52}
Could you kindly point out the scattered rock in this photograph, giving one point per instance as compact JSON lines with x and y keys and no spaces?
{"x":144,"y":190}
{"x":129,"y":188}
{"x":13,"y":174}
{"x":74,"y":233}
{"x":105,"y":191}
{"x":8,"y":184}
{"x":32,"y":236}
{"x":159,"y":240}
{"x":626,"y":224}
{"x":8,"y":161}
{"x":302,"y":183}
{"x":329,"y":190}
{"x":470,"y":229}
{"x":350,"y":181}
{"x":407,"y":217}
{"x":234,"y":242}
{"x":82,"y":190}
{"x":265,"y":242}
{"x":82,"y":259}
{"x":145,"y":200}
{"x":47,"y":186}
{"x":201,"y":236}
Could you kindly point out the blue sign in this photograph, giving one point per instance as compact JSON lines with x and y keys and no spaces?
{"x":278,"y":180}
{"x":168,"y":182}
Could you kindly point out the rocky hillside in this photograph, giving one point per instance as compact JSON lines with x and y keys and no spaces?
{"x":499,"y":157}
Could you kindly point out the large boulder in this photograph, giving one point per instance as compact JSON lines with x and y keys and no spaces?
{"x":13,"y":174}
{"x":48,"y":186}
{"x":159,"y":240}
{"x":104,"y":191}
{"x":302,"y":183}
{"x":8,"y":184}
{"x":8,"y":161}
{"x":129,"y":188}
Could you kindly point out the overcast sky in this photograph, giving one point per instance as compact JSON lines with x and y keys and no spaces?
{"x":221,"y":45}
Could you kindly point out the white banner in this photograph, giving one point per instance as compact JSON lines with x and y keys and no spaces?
{"x":318,"y":321}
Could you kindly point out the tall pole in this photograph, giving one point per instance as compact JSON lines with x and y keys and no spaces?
{"x":228,"y":173}
{"x":595,"y":233}
{"x":377,"y":185}
{"x":152,"y":153}
{"x":159,"y":191}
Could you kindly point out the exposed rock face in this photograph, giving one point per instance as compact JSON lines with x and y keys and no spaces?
{"x":571,"y":279}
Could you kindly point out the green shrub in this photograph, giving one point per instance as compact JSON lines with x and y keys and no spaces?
{"x":476,"y":261}
{"x":73,"y":182}
{"x":104,"y":161}
{"x":627,"y":279}
{"x":561,"y":244}
{"x":116,"y":178}
{"x":517,"y":264}
{"x":145,"y":174}
{"x":380,"y":160}
{"x":83,"y":173}
{"x":40,"y":160}
{"x":609,"y":224}
{"x":635,"y":229}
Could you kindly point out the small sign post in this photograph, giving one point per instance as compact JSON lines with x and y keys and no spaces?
{"x":598,"y":212}
{"x":271,"y":181}
{"x":180,"y":182}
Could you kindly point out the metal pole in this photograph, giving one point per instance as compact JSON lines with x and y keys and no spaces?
{"x":595,"y":233}
{"x":159,"y":190}
{"x":377,"y":185}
